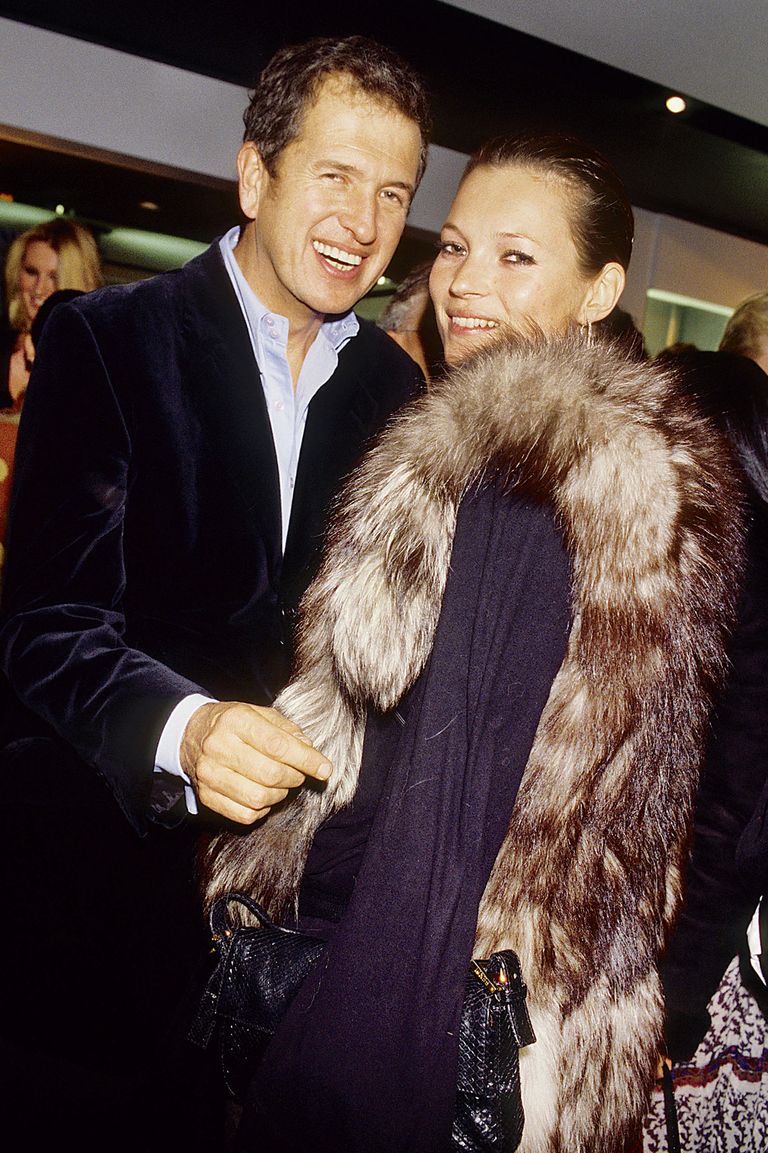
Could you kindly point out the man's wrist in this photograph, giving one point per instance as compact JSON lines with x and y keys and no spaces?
{"x":167,"y":758}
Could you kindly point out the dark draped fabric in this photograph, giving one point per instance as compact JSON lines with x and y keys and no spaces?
{"x":719,"y":895}
{"x":7,"y":344}
{"x":366,"y":1057}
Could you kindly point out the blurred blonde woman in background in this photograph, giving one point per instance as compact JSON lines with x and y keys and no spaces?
{"x":59,"y":254}
{"x":54,"y":255}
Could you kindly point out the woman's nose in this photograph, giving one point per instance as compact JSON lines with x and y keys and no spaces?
{"x":471,"y":279}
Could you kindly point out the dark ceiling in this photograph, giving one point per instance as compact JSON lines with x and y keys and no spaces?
{"x":706,"y":165}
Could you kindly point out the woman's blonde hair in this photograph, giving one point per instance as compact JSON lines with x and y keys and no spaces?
{"x":79,"y":263}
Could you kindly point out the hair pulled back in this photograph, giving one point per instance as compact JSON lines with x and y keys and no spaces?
{"x":601,"y":220}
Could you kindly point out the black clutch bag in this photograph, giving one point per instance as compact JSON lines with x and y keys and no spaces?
{"x":258,"y":973}
{"x":494,"y":1026}
{"x":260,"y":969}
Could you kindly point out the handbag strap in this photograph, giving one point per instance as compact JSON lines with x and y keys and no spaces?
{"x":670,"y":1110}
{"x":223,"y":930}
{"x":503,"y":981}
{"x":220,"y":920}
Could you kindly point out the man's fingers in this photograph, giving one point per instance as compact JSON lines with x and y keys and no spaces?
{"x":231,"y":810}
{"x":286,"y":748}
{"x":283,"y":722}
{"x":219,"y":781}
{"x":270,"y":735}
{"x":243,"y":759}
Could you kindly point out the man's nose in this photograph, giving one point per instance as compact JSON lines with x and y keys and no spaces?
{"x":360,"y":215}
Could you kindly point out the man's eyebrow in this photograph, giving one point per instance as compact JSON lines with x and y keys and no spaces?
{"x":342,"y":166}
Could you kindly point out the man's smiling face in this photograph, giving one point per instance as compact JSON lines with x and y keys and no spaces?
{"x":326,"y":225}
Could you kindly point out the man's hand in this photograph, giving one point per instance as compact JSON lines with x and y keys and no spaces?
{"x":243,"y":759}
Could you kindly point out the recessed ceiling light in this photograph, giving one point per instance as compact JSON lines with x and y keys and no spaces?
{"x":676,"y":104}
{"x":149,"y":205}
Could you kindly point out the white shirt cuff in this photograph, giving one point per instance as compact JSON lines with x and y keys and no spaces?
{"x":167,"y":756}
{"x":756,"y":947}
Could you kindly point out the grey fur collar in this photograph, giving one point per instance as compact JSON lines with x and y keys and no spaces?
{"x":588,"y":878}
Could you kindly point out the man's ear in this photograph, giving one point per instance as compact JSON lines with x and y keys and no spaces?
{"x":604,"y":293}
{"x":252,"y":178}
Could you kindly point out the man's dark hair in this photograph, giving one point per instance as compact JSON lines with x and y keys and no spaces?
{"x":290,"y":81}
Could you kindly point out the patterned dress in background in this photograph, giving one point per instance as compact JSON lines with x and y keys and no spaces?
{"x":722,"y":1092}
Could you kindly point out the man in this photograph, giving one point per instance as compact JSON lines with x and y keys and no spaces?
{"x":182,"y":443}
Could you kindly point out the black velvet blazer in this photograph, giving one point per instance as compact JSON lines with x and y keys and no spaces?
{"x":144,"y":557}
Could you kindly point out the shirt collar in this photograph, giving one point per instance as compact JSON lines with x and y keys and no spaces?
{"x":336,"y":332}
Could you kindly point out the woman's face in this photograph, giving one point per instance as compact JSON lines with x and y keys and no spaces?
{"x":506,"y":257}
{"x":38,"y":275}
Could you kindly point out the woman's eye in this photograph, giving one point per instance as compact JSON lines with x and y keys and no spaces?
{"x":450,"y":248}
{"x":518,"y":257}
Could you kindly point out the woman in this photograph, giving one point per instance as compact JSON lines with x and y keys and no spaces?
{"x":54,"y":255}
{"x":506,"y":657}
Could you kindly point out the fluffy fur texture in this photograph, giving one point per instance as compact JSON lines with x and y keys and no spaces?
{"x":588,"y":878}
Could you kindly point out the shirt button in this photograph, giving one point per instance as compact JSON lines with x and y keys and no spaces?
{"x":279,"y":405}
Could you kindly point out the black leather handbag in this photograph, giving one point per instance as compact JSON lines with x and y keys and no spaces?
{"x":494,"y":1026}
{"x":258,"y":973}
{"x":260,"y":969}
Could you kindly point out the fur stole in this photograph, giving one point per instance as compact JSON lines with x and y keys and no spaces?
{"x":587,"y":881}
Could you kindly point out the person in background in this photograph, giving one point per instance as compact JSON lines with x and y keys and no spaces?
{"x":752,"y":861}
{"x":409,"y":319}
{"x":506,"y":657}
{"x":716,"y":1035}
{"x":52,"y":256}
{"x":57,"y":254}
{"x":746,"y":333}
{"x":181,"y":443}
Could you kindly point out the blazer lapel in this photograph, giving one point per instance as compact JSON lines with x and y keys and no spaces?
{"x":342,"y":417}
{"x":224,"y":384}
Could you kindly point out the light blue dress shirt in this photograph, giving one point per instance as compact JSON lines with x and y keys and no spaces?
{"x":287,"y":408}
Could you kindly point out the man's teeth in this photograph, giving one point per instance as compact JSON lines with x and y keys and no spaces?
{"x":473,"y":322}
{"x":337,"y":256}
